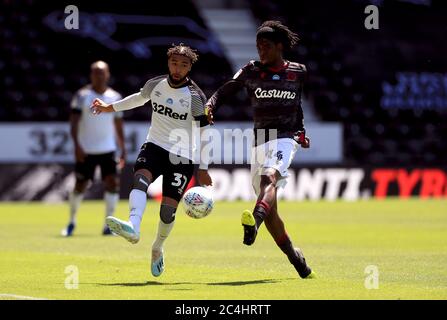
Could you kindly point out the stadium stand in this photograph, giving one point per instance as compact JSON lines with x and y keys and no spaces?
{"x":350,"y":68}
{"x":44,"y":64}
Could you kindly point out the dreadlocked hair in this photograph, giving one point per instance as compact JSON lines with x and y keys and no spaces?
{"x":286,"y":36}
{"x":183,"y":50}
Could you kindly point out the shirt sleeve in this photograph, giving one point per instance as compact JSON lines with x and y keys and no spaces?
{"x":198,"y":100}
{"x":139,"y":98}
{"x":300,"y":114}
{"x":129,"y":102}
{"x":119,"y":114}
{"x":228,"y":89}
{"x":241,"y":75}
{"x":75,"y":104}
{"x":300,"y":119}
{"x":149,"y":86}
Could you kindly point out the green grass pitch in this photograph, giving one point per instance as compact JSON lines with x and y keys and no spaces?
{"x":205,"y":259}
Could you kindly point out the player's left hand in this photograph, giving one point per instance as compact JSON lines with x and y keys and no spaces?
{"x":302,"y":139}
{"x":204,"y":178}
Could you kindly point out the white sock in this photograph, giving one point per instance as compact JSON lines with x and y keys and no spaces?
{"x":74,"y":200}
{"x":137,"y":204}
{"x":162,"y":234}
{"x":111,"y":199}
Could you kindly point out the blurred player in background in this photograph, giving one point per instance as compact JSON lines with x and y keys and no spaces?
{"x":275,"y":87}
{"x":177,"y":102}
{"x":95,"y":142}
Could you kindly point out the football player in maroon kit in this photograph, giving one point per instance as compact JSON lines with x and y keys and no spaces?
{"x":274,"y":86}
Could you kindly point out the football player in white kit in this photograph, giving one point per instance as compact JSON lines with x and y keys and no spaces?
{"x":177,"y":103}
{"x":95,"y":142}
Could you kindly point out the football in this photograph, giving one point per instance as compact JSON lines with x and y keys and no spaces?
{"x":198,"y":202}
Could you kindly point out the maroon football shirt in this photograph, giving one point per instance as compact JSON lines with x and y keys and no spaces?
{"x":275,"y":96}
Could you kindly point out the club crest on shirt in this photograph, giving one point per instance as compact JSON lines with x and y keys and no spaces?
{"x":276,"y":77}
{"x":169,"y":101}
{"x":279,"y":155}
{"x":184,"y":103}
{"x":291,"y":76}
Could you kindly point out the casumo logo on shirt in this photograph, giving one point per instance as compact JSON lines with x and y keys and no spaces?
{"x":281,"y":94}
{"x":161,"y":109}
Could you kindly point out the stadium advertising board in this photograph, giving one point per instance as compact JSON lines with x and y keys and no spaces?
{"x":19,"y":182}
{"x":51,"y":142}
{"x":349,"y":184}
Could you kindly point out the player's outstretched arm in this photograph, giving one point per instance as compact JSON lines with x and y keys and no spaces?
{"x":227,"y":90}
{"x":300,"y":133}
{"x":129,"y":102}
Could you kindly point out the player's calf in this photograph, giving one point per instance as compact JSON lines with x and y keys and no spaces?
{"x":266,"y":197}
{"x":260,"y":212}
{"x":295,"y":256}
{"x":165,"y":225}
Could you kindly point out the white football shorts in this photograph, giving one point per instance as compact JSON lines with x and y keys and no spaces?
{"x":277,"y":154}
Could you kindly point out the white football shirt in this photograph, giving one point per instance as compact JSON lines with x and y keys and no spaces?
{"x":174,"y":111}
{"x":96,"y":133}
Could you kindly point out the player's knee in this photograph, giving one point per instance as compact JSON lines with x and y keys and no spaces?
{"x":268,"y":180}
{"x":167,"y":213}
{"x":141,"y":182}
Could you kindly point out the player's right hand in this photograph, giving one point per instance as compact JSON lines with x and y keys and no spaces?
{"x":209,"y":114}
{"x":302,"y":139}
{"x":99,"y":106}
{"x":204,"y":178}
{"x":79,"y":154}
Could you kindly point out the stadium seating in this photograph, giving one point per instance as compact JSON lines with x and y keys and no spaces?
{"x":43,"y":64}
{"x":348,"y":64}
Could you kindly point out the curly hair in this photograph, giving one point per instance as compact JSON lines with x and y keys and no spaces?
{"x":183,"y":50}
{"x":277,"y":32}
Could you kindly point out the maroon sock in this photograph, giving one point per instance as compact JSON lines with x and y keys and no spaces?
{"x":296,"y":260}
{"x":261,"y":210}
{"x":286,"y":246}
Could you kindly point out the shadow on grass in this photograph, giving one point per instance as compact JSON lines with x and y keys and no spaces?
{"x":143,"y":284}
{"x":225,"y":283}
{"x":76,"y":236}
{"x":243,"y":283}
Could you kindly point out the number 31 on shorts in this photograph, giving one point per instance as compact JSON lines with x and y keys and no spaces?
{"x":179,"y":181}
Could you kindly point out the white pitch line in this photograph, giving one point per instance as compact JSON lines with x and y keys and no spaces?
{"x":15,"y":296}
